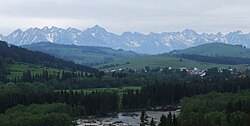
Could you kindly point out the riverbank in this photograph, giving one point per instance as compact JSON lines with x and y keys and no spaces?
{"x":123,"y":119}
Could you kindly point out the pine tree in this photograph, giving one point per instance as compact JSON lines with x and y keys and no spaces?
{"x":169,"y":119}
{"x":152,"y":123}
{"x":144,"y":118}
{"x":175,"y":122}
{"x":163,"y":121}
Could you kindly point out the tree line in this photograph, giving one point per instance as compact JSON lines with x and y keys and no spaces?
{"x":169,"y":120}
{"x":3,"y":70}
{"x":78,"y":80}
{"x":80,"y":103}
{"x":170,"y":92}
{"x":216,"y":59}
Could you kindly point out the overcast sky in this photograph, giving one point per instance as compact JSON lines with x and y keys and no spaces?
{"x":127,"y":15}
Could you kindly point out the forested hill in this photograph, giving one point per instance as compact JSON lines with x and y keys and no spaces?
{"x":85,"y":55}
{"x":34,"y":57}
{"x":217,"y":49}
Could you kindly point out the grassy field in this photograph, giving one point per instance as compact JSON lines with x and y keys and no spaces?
{"x":160,"y":61}
{"x":120,"y":90}
{"x":17,"y":69}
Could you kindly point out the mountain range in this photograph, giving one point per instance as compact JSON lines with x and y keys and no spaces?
{"x":152,"y":43}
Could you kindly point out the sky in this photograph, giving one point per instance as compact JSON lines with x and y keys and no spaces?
{"x":117,"y":16}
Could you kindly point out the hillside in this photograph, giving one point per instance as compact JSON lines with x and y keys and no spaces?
{"x":159,"y":61}
{"x":18,"y":54}
{"x":86,"y":55}
{"x":216,"y":49}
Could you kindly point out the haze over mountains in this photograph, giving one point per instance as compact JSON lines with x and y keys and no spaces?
{"x":152,"y":43}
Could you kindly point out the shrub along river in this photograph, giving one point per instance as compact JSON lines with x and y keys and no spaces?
{"x":124,"y":119}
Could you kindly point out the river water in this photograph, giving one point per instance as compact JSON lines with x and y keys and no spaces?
{"x":124,"y":119}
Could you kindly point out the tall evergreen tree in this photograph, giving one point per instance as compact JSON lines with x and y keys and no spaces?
{"x":152,"y":122}
{"x":163,"y":121}
{"x":175,"y":122}
{"x":169,"y":119}
{"x":144,"y":119}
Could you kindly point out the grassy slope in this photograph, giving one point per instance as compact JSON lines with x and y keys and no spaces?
{"x":120,"y":90}
{"x":218,"y":49}
{"x":17,"y":69}
{"x":162,"y":61}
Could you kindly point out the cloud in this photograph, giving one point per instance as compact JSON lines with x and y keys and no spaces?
{"x":127,"y":15}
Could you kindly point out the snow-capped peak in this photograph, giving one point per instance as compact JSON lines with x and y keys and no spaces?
{"x":46,"y":28}
{"x":96,"y":29}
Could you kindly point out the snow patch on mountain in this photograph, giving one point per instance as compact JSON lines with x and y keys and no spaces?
{"x":93,"y":34}
{"x":50,"y":37}
{"x":168,"y":45}
{"x":133,"y":44}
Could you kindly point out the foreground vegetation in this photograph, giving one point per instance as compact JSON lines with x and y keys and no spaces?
{"x":212,"y":109}
{"x":37,"y":115}
{"x":216,"y":109}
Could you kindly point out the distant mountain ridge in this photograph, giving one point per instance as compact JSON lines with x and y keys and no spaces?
{"x":85,"y":55}
{"x":152,"y":43}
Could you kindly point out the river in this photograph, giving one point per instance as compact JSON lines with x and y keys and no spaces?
{"x":124,"y":119}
